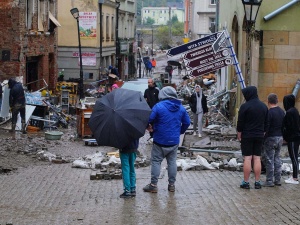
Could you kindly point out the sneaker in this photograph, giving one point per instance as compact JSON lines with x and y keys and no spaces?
{"x":268,"y":184}
{"x":245,"y":185}
{"x":133,"y":193}
{"x":126,"y":194}
{"x":257,"y":185}
{"x":291,"y":181}
{"x":199,"y":135}
{"x":194,"y":133}
{"x":150,"y":188}
{"x":171,"y":187}
{"x":277,"y":183}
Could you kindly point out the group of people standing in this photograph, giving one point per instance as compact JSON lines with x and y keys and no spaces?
{"x":262,"y":131}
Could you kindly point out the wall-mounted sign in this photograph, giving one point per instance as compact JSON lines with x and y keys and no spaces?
{"x":88,"y":58}
{"x":88,"y":25}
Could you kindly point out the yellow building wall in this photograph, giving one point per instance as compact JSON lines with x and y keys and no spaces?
{"x":68,"y":35}
{"x":279,"y":64}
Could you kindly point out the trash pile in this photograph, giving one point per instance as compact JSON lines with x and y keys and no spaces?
{"x":105,"y":166}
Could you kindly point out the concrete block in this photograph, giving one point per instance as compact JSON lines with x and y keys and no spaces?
{"x":276,"y":37}
{"x":273,"y":66}
{"x":287,"y":52}
{"x":294,"y":38}
{"x":267,"y":52}
{"x":294,"y":66}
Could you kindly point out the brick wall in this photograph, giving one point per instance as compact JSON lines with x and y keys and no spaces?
{"x":279,"y":64}
{"x":22,"y":44}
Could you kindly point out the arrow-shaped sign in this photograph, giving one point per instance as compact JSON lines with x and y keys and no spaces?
{"x":205,"y":49}
{"x":218,"y":43}
{"x":211,"y":67}
{"x":192,"y":45}
{"x":207,"y":59}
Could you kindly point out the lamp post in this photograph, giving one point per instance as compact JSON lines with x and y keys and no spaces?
{"x":152,"y":42}
{"x":100,"y":2}
{"x":251,"y":8}
{"x":75,"y":14}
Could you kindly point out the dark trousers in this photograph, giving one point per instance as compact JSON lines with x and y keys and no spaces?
{"x":16,"y":109}
{"x":293,"y":148}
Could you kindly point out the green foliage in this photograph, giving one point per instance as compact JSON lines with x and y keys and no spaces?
{"x":149,"y":21}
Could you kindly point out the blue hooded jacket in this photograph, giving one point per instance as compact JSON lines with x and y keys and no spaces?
{"x":169,"y":118}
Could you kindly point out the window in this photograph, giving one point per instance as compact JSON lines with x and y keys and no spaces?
{"x":212,"y":24}
{"x":153,"y":13}
{"x":112,"y":29}
{"x":29,"y":14}
{"x":212,"y":2}
{"x":107,"y":28}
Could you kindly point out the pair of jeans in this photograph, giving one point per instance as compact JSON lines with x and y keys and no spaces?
{"x":158,"y":153}
{"x":272,"y":146}
{"x":128,"y":170}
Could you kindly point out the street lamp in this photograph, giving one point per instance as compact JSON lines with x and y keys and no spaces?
{"x":75,"y":14}
{"x":251,"y":8}
{"x":100,"y":2}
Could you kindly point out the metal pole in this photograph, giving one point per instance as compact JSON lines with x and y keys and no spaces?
{"x":101,"y":34}
{"x":81,"y":95}
{"x":152,"y":43}
{"x":235,"y":61}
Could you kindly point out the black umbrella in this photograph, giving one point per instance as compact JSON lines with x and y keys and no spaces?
{"x":174,"y":63}
{"x":119,"y":117}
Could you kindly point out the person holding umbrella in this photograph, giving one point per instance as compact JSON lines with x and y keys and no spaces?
{"x":128,"y":156}
{"x":168,"y":120}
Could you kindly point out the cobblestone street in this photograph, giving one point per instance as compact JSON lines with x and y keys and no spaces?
{"x":58,"y":194}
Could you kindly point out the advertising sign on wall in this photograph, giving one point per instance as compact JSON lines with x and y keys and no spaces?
{"x":88,"y":25}
{"x":88,"y":58}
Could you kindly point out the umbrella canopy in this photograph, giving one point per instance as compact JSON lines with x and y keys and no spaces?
{"x":119,"y":117}
{"x":174,"y":63}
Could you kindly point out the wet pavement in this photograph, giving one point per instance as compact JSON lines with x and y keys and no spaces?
{"x":60,"y":194}
{"x":46,"y":193}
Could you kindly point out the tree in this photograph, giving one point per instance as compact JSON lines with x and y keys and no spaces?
{"x":149,"y":21}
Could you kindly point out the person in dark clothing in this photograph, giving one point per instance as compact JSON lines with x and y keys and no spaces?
{"x":273,"y":142}
{"x":291,"y":134}
{"x":169,"y":70}
{"x":128,"y":156}
{"x":151,"y":96}
{"x":17,"y":103}
{"x":151,"y":93}
{"x":198,"y":104}
{"x":114,"y":70}
{"x":251,"y":126}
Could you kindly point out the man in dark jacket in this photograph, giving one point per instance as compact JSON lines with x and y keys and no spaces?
{"x":168,"y":120}
{"x":151,"y":96}
{"x":251,"y":126}
{"x":291,"y":134}
{"x":17,"y":103}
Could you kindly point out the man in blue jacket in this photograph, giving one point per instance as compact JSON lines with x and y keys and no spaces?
{"x":168,"y":120}
{"x":251,"y":126}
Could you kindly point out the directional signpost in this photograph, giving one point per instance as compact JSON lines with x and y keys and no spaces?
{"x":192,"y":45}
{"x":208,"y":54}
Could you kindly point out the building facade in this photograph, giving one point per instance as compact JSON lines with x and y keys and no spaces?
{"x":116,"y":25}
{"x":28,"y":44}
{"x":272,"y":60}
{"x":161,"y":15}
{"x":200,"y":18}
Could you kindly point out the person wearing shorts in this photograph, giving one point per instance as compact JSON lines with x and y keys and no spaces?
{"x":251,"y":125}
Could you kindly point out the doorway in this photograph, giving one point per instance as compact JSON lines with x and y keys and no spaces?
{"x":32,"y":73}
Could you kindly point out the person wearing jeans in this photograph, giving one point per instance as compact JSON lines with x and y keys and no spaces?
{"x":168,"y":120}
{"x":291,"y":134}
{"x":128,"y":156}
{"x":273,"y":142}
